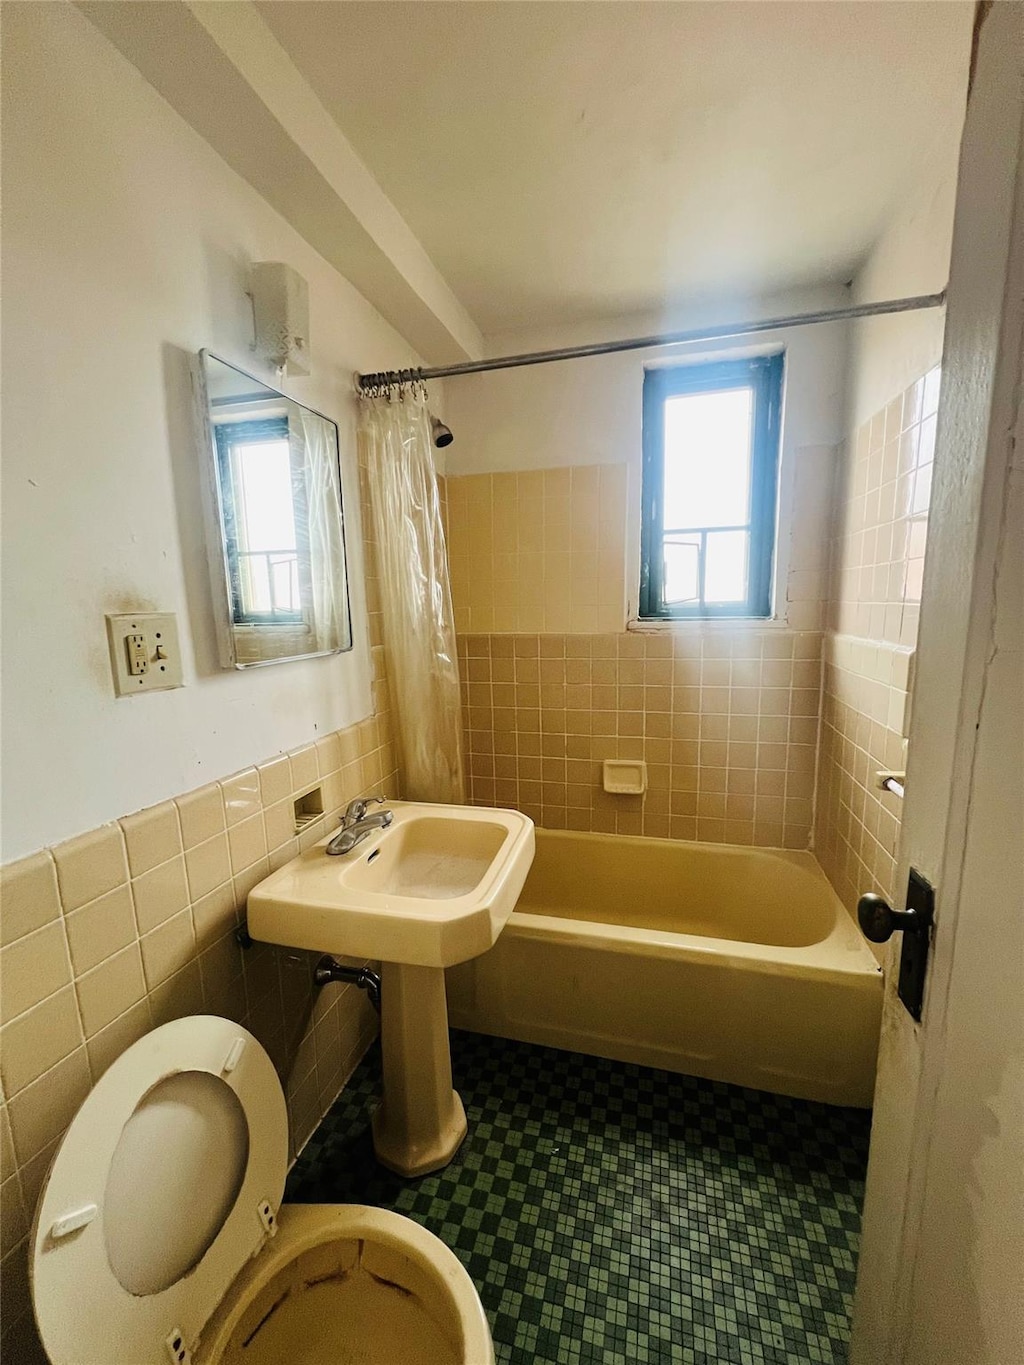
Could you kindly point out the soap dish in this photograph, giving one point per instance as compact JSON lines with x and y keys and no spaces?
{"x":625,"y":776}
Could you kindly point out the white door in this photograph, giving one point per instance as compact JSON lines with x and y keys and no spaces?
{"x":941,"y":1278}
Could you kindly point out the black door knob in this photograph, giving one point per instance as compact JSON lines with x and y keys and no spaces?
{"x":879,"y":921}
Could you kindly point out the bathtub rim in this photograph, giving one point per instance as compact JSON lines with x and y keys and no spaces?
{"x":840,"y":955}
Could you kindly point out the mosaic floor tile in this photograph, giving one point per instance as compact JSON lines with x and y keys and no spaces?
{"x":616,"y":1215}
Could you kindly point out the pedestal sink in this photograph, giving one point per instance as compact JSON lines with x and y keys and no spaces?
{"x":433,"y":889}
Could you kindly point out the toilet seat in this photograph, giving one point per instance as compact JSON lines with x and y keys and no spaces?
{"x":159,"y":1235}
{"x":108,"y":1203}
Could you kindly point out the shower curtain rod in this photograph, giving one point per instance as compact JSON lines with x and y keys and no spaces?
{"x":385,"y":378}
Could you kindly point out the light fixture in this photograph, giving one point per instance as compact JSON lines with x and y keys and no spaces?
{"x":280,"y":309}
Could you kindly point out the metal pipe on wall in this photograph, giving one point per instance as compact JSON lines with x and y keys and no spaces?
{"x":385,"y":378}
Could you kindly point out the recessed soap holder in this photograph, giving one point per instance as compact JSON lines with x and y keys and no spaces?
{"x":625,"y":776}
{"x":308,"y":807}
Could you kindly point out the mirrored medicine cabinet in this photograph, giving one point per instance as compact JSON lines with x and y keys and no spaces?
{"x":275,"y":521}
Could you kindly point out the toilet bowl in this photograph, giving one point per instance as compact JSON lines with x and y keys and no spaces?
{"x":160,"y":1238}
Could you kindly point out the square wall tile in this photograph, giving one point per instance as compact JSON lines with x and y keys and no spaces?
{"x":39,"y":1039}
{"x":242,"y":798}
{"x":208,"y":866}
{"x":33,"y":968}
{"x":151,"y":837}
{"x":168,"y":949}
{"x":276,"y":779}
{"x":100,"y":929}
{"x":214,"y":915}
{"x":106,"y":1046}
{"x":279,"y":823}
{"x":179,"y":996}
{"x":110,"y":989}
{"x":29,"y":897}
{"x":328,"y":752}
{"x":247,"y":843}
{"x":243,"y":882}
{"x":91,"y":865}
{"x":201,"y":814}
{"x":42,"y":1111}
{"x":305,"y":767}
{"x":159,"y":894}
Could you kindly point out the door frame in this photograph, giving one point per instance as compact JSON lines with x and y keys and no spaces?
{"x":978,"y":411}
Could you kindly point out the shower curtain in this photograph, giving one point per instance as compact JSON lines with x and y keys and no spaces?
{"x":319,"y":536}
{"x":419,"y":627}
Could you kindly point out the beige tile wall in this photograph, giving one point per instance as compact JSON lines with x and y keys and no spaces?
{"x":865,"y":708}
{"x":881,"y":519}
{"x":880,"y":525}
{"x":115,"y":932}
{"x":726,"y":720}
{"x":552,"y":683}
{"x":548,"y":550}
{"x":539,"y":550}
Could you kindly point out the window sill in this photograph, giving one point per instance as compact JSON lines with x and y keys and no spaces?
{"x":687,"y":624}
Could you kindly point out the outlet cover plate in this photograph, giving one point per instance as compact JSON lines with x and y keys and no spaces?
{"x":144,"y":652}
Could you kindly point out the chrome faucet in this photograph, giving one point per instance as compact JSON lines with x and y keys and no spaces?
{"x":356,"y":825}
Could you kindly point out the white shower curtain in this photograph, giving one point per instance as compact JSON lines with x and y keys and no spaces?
{"x":419,"y":626}
{"x":317,"y":480}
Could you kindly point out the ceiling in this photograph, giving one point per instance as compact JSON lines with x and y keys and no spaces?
{"x":562,"y":161}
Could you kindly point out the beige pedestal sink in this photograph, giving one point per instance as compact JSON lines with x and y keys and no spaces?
{"x":435,"y":888}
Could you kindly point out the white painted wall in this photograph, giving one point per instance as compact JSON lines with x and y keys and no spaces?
{"x":590,"y":411}
{"x":223,"y":70}
{"x":126,"y":244}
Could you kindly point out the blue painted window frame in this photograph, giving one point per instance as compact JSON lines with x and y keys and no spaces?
{"x":763,"y":375}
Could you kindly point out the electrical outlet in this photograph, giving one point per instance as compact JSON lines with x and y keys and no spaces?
{"x":138,"y":661}
{"x":144,"y":652}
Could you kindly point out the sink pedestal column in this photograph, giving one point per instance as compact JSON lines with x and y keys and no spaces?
{"x":420,"y":1123}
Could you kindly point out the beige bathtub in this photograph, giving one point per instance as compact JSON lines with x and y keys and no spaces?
{"x":733,"y":963}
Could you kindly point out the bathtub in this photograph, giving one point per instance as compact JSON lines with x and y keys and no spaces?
{"x":737,"y":964}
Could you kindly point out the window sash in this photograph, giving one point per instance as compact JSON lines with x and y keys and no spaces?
{"x":763,"y":375}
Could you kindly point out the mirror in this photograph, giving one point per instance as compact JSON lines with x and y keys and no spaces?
{"x":276,"y":532}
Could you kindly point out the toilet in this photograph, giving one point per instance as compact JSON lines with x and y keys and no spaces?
{"x":160,"y":1238}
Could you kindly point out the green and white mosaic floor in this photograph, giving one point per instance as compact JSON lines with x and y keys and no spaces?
{"x":615,"y":1214}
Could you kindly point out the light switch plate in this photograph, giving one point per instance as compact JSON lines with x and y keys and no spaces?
{"x":144,"y":652}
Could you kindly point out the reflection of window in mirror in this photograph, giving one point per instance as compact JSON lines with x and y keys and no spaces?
{"x":259,"y":521}
{"x":276,"y":534}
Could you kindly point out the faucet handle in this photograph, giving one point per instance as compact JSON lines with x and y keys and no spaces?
{"x":357,"y":808}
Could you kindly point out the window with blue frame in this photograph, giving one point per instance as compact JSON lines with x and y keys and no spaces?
{"x":710,"y":466}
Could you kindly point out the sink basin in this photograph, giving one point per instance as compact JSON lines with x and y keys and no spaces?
{"x":433,"y":889}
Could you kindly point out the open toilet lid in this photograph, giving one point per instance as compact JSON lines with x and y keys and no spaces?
{"x":167,"y":1181}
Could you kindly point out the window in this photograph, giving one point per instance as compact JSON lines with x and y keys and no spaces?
{"x":710,"y":455}
{"x":259,"y":520}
